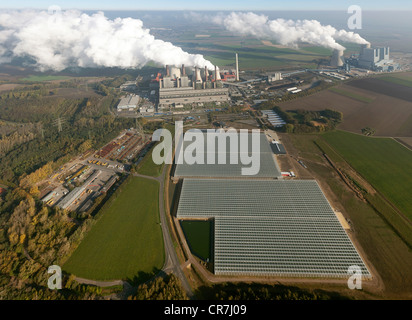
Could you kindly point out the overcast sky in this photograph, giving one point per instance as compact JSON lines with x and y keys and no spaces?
{"x":211,"y":4}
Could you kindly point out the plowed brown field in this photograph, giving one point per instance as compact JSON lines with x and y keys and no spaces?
{"x":369,"y":106}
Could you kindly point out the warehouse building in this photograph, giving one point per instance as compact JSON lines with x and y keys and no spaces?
{"x":68,"y":200}
{"x":128,"y":102}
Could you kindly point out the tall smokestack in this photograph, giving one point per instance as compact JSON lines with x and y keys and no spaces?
{"x":215,"y":73}
{"x":237,"y":68}
{"x":183,"y":70}
{"x":167,"y":71}
{"x":206,"y":74}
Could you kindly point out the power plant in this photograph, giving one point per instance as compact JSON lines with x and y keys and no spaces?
{"x":185,"y":85}
{"x":374,"y":59}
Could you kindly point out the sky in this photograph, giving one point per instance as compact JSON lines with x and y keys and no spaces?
{"x":210,"y":4}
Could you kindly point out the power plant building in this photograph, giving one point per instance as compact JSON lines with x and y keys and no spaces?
{"x":201,"y":86}
{"x":374,"y":58}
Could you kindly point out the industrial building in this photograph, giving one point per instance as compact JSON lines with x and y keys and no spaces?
{"x":69,"y":199}
{"x":128,"y":102}
{"x":274,"y":119}
{"x":186,"y":86}
{"x":271,"y":228}
{"x":375,"y":59}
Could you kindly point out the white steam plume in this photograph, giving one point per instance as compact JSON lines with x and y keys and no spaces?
{"x":285,"y":32}
{"x":71,"y":38}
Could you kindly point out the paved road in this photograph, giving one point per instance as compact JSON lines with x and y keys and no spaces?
{"x":171,"y":263}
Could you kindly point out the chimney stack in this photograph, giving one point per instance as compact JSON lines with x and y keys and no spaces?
{"x":206,"y":74}
{"x":183,"y":70}
{"x":167,"y":71}
{"x":237,"y":68}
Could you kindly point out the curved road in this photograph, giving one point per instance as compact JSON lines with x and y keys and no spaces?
{"x":171,"y":263}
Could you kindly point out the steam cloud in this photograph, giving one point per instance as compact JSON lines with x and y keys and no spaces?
{"x":71,"y":38}
{"x":285,"y":32}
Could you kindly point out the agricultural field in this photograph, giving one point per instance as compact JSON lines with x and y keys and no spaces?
{"x":404,"y":79}
{"x":383,"y":162}
{"x":382,"y":86}
{"x":199,"y":237}
{"x":379,"y":245}
{"x":126,"y":242}
{"x":40,"y":78}
{"x":362,"y":106}
{"x":253,"y":54}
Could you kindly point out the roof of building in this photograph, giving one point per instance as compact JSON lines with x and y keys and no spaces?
{"x":268,"y":167}
{"x":271,"y":227}
{"x":131,"y":100}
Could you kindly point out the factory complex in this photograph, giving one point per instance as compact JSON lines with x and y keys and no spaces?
{"x":265,"y":225}
{"x":374,"y":59}
{"x":181,"y":86}
{"x":76,"y":185}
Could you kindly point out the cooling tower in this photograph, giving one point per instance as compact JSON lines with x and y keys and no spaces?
{"x":198,"y":76}
{"x":217,"y":74}
{"x":175,"y":72}
{"x":337,"y":59}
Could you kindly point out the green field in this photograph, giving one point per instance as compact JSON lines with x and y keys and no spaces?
{"x":259,"y":55}
{"x":398,"y":79}
{"x":385,"y":163}
{"x":44,"y":78}
{"x":351,"y":95}
{"x":199,"y":237}
{"x":147,"y":167}
{"x":126,"y":242}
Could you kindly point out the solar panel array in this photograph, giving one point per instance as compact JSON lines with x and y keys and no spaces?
{"x":224,"y":154}
{"x":271,"y":227}
{"x":274,"y":118}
